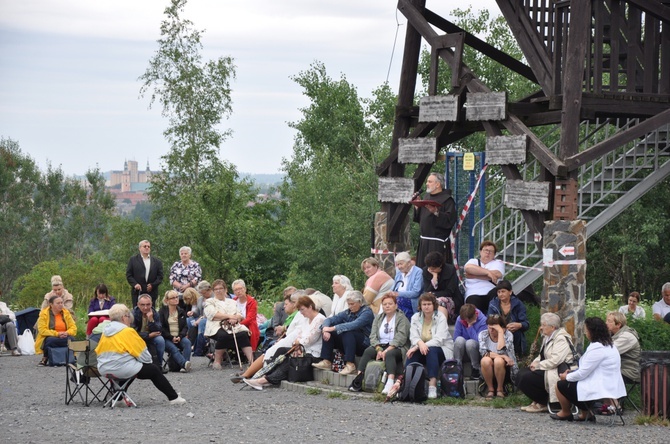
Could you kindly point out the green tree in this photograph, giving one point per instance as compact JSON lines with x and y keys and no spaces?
{"x":195,"y":96}
{"x":46,"y":215}
{"x":199,"y":200}
{"x":20,"y":223}
{"x":330,"y":188}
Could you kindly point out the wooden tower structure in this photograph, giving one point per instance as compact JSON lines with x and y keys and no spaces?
{"x":602,"y":70}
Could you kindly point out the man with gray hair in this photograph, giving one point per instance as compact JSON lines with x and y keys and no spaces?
{"x":661,"y":309}
{"x":435,"y":221}
{"x":144,"y":273}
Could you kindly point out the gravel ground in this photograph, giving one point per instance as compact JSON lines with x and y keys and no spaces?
{"x":32,"y":410}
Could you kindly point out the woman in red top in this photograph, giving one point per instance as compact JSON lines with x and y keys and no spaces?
{"x":248,"y":306}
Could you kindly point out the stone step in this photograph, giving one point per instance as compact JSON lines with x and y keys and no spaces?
{"x":331,"y":381}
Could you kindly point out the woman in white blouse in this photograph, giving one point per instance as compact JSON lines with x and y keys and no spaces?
{"x":341,"y":288}
{"x":309,"y":336}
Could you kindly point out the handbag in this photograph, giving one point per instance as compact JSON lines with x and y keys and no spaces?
{"x":4,"y":319}
{"x":26,"y":343}
{"x":300,"y":367}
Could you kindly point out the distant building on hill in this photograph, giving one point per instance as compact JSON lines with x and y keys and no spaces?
{"x":130,"y":186}
{"x":130,"y":177}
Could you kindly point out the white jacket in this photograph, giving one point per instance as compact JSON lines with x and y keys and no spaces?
{"x":439,"y":329}
{"x":599,"y":374}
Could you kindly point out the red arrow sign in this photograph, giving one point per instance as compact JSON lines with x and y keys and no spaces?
{"x":567,"y":251}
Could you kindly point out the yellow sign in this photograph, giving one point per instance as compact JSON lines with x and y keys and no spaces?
{"x":468,"y":162}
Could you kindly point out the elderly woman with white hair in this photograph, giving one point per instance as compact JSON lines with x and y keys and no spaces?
{"x":348,"y":331}
{"x":123,"y":353}
{"x":408,"y":284}
{"x":185,"y":273}
{"x":341,"y":291}
{"x":538,"y":381}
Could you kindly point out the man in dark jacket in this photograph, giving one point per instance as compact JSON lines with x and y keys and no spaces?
{"x":144,"y":273}
{"x":147,"y":324}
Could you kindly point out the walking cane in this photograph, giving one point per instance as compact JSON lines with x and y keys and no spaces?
{"x":237,"y":348}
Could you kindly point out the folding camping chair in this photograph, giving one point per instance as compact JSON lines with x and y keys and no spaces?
{"x":119,"y":391}
{"x":78,"y":377}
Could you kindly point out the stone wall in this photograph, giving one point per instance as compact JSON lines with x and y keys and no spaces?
{"x":381,"y":242}
{"x":564,"y":290}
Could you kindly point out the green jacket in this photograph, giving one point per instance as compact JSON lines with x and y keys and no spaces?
{"x":401,"y":331}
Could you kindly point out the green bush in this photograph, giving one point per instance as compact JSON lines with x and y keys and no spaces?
{"x":80,"y":278}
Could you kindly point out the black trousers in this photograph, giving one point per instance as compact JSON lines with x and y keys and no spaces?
{"x":531,"y":383}
{"x":150,"y":371}
{"x":225,"y":341}
{"x":569,"y":390}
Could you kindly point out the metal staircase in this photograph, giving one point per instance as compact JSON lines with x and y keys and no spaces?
{"x":607,"y":186}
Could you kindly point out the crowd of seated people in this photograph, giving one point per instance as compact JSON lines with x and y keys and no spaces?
{"x":491,"y":340}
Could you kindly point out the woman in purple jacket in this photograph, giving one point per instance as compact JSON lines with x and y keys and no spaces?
{"x":101,"y":301}
{"x":466,"y":337}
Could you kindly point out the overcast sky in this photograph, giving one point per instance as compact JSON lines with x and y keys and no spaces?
{"x":69,"y":92}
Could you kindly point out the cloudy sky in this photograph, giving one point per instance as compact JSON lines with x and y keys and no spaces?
{"x":69,"y":92}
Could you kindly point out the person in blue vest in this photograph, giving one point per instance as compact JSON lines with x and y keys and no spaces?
{"x":513,"y":312}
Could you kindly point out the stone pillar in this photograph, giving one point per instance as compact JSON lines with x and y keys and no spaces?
{"x":381,"y":242}
{"x":564,"y":258}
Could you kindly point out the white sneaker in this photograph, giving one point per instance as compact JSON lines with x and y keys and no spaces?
{"x":432,"y":392}
{"x":178,"y":400}
{"x":387,"y":387}
{"x":187,"y":367}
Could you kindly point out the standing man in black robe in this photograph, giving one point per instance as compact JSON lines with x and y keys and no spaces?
{"x":435,"y":223}
{"x":144,"y":273}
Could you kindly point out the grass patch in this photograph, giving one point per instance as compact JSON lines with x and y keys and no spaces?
{"x":325,"y":381}
{"x":313,"y":391}
{"x":340,"y":395}
{"x":651,"y":420}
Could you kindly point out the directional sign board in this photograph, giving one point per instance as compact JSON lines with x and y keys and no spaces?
{"x":567,"y":251}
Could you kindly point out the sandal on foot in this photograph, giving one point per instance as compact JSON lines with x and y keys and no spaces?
{"x":500,"y":394}
{"x":43,"y":362}
{"x":490,"y":395}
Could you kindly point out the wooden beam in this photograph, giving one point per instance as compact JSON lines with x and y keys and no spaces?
{"x":573,"y":75}
{"x":513,"y":123}
{"x":483,"y":47}
{"x":654,"y":8}
{"x":529,"y":41}
{"x":619,"y":139}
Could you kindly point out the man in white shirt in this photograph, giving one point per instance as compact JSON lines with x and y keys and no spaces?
{"x":662,"y":308}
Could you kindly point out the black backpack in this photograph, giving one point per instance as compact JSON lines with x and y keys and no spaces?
{"x":451,"y":379}
{"x":414,"y":384}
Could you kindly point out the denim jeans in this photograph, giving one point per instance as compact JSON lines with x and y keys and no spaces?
{"x":180,"y":352}
{"x":432,"y":361}
{"x":158,"y":343}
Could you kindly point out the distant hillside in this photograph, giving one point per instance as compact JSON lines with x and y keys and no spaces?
{"x":264,"y":179}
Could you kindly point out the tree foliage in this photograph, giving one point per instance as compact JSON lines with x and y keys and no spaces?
{"x":330,"y":189}
{"x":194,"y":94}
{"x":199,"y":200}
{"x":44,"y":216}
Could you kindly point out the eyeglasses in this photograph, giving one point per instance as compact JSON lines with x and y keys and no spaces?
{"x":494,"y":316}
